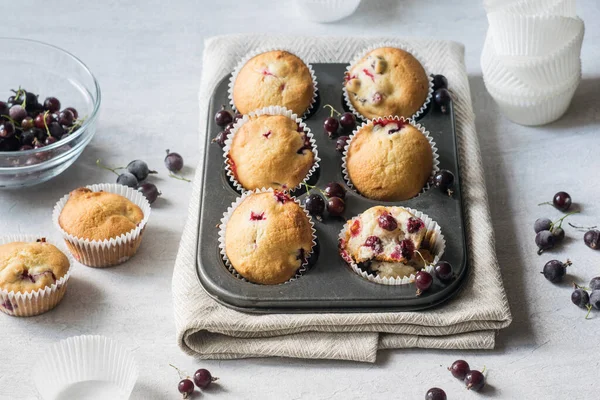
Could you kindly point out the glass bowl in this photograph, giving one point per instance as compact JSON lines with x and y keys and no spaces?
{"x":46,"y":70}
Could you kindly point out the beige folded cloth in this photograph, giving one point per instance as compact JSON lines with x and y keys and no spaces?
{"x":208,"y":329}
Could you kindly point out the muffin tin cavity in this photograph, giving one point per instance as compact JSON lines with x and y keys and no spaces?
{"x":329,"y":284}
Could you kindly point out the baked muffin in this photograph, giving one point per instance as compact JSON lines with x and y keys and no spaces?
{"x":27,"y":267}
{"x":97,"y":226}
{"x":387,"y":81}
{"x":268,"y":238}
{"x":274,"y":78}
{"x":384,"y":241}
{"x":270,"y":151}
{"x":389,"y":159}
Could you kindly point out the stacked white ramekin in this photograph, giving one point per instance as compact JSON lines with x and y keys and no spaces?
{"x":531,"y":58}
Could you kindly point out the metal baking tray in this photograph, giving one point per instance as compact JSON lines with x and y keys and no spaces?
{"x":329,"y":285}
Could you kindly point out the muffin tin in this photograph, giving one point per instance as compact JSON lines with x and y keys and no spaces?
{"x":329,"y":285}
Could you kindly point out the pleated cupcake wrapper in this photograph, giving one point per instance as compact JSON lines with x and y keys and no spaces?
{"x":531,"y":36}
{"x":223,"y":227}
{"x":39,"y":301}
{"x":400,"y":46}
{"x":542,"y":75}
{"x":85,"y":358}
{"x":534,"y":111}
{"x":108,"y":252}
{"x":528,"y":94}
{"x":563,"y":8}
{"x":421,"y":128}
{"x":271,"y":110}
{"x":436,"y":248}
{"x":255,"y":53}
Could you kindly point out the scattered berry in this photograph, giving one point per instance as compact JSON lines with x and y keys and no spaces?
{"x":443,"y":271}
{"x":595,"y":299}
{"x":562,"y":201}
{"x":559,"y":234}
{"x":348,"y":122}
{"x":439,"y":82}
{"x":221,"y":138}
{"x":443,"y":99}
{"x":542,"y":224}
{"x":331,"y":126}
{"x":595,"y":283}
{"x":580,"y":298}
{"x":185,"y":387}
{"x":315,"y":204}
{"x":544,"y":240}
{"x":459,"y":369}
{"x":173,"y":162}
{"x":223,"y":117}
{"x":435,"y":394}
{"x":423,"y":281}
{"x":150,"y":191}
{"x":203,"y":378}
{"x":127,"y":179}
{"x":334,"y":189}
{"x":555,"y":270}
{"x":341,"y":143}
{"x":443,"y":180}
{"x":474,"y":380}
{"x":336,"y":206}
{"x":591,"y":238}
{"x":140,"y":169}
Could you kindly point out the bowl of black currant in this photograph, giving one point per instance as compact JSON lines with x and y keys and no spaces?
{"x":49,"y":102}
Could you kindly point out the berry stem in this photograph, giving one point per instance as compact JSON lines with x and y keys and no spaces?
{"x":546,"y":202}
{"x":582,"y":228}
{"x":576,"y":286}
{"x":181,"y":374}
{"x":333,"y":110}
{"x":560,"y":220}
{"x":113,"y":170}
{"x":181,"y":178}
{"x":309,"y":188}
{"x":589,"y":310}
{"x":421,"y":255}
{"x":46,"y":124}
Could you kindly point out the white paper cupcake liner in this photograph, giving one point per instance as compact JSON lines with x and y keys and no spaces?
{"x":436,"y":248}
{"x":540,"y":74}
{"x":39,"y":301}
{"x":223,"y":227}
{"x":255,"y":53}
{"x":401,"y":46}
{"x":531,"y":95}
{"x":75,"y":367}
{"x":271,"y":110}
{"x":550,"y":71}
{"x":536,"y":110}
{"x":326,"y":10}
{"x":562,"y":8}
{"x":108,"y":252}
{"x":531,"y":36}
{"x":421,"y":128}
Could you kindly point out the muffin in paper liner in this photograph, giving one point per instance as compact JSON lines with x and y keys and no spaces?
{"x":434,"y":151}
{"x":259,"y":51}
{"x":77,"y":366}
{"x":107,"y":252}
{"x":37,"y":302}
{"x":400,"y":46}
{"x":531,"y":36}
{"x":223,"y":226}
{"x":271,"y":110}
{"x":435,"y":243}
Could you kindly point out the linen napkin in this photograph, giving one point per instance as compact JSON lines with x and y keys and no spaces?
{"x":470,"y":320}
